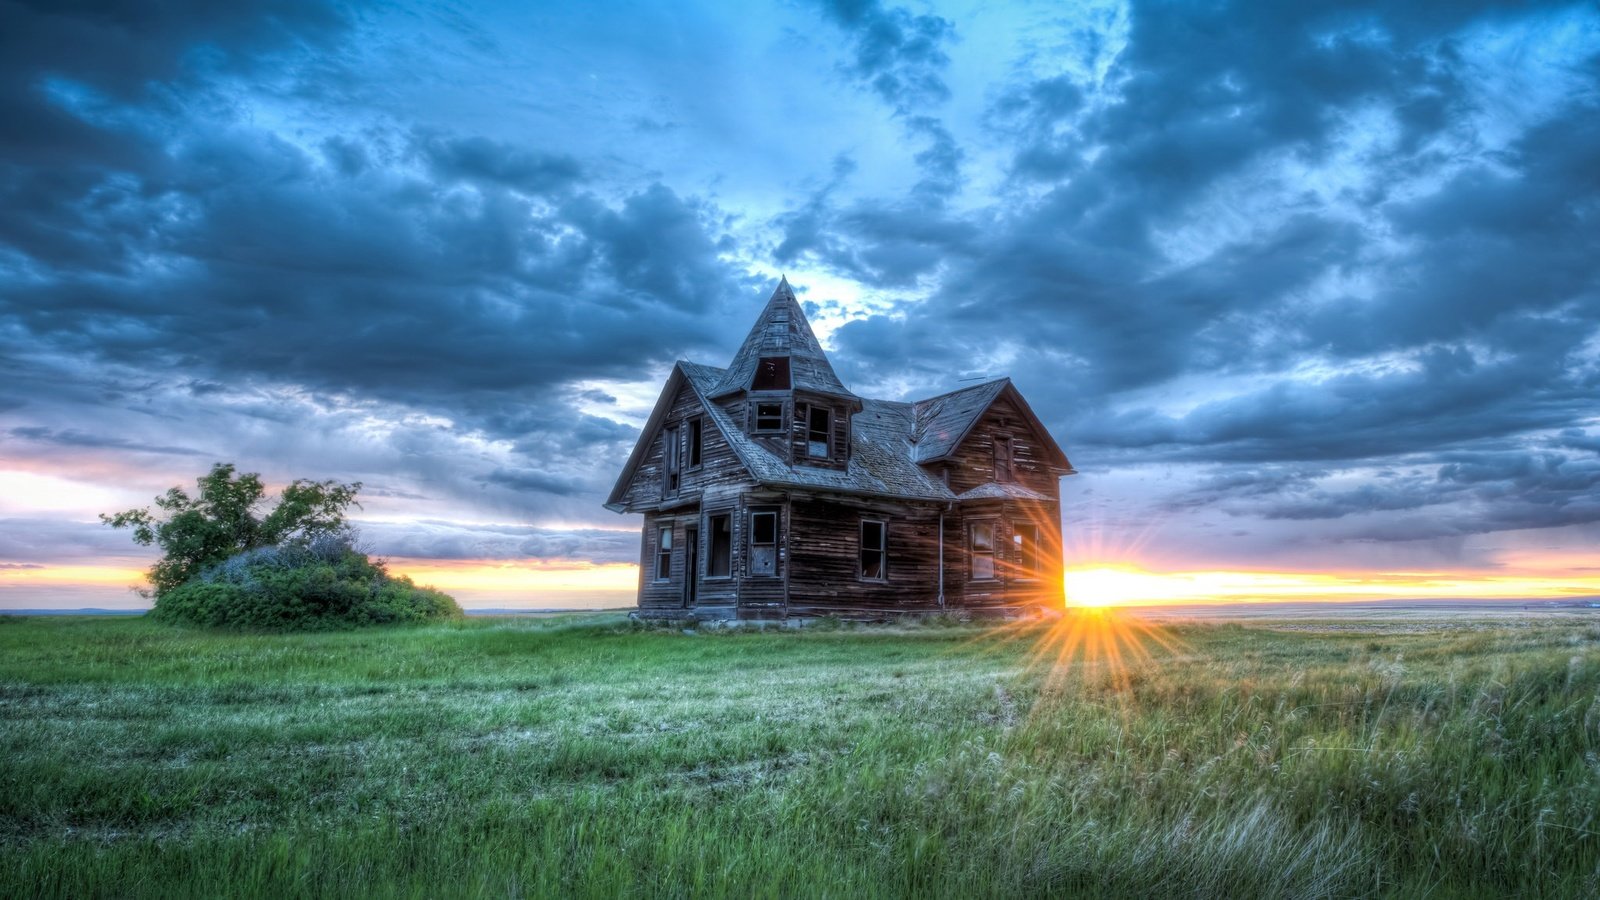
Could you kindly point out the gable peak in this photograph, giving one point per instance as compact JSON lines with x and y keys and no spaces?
{"x":782,"y":331}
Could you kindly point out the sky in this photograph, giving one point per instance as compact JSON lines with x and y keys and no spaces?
{"x":1309,"y":292}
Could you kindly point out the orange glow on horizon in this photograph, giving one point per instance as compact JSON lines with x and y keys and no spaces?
{"x":1105,"y":585}
{"x":1087,"y":586}
{"x":518,"y":576}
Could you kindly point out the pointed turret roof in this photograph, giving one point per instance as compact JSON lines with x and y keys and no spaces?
{"x":782,"y":330}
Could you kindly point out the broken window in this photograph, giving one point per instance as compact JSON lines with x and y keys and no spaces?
{"x":764,"y":542}
{"x":1026,"y":538}
{"x":720,"y":565}
{"x":817,"y":433}
{"x":664,"y":553}
{"x":769,"y":416}
{"x":874,"y":550}
{"x":669,"y":460}
{"x":981,"y":550}
{"x":694,"y":442}
{"x":1002,"y":458}
{"x":772,"y":374}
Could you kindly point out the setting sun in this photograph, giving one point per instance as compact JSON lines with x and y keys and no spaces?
{"x":1113,"y":586}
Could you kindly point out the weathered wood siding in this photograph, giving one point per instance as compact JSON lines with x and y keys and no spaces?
{"x":719,"y":468}
{"x":1012,"y":585}
{"x":972,"y":462}
{"x":825,"y":552}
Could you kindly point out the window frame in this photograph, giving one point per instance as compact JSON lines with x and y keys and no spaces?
{"x":779,"y":366}
{"x":1029,"y":558}
{"x":1009,"y":456}
{"x":812,"y":411}
{"x":753,"y":543}
{"x":882,"y":550}
{"x":756,"y":417}
{"x":697,"y":434}
{"x":664,"y":550}
{"x":671,"y":461}
{"x":711,"y":546}
{"x":974,"y":553}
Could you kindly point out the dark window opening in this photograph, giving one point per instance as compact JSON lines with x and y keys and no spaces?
{"x":874,"y":550}
{"x":817,"y":433}
{"x":769,"y":416}
{"x":1002,"y":458}
{"x":1026,"y":538}
{"x":664,"y":553}
{"x":669,"y":460}
{"x":981,"y":550}
{"x":694,"y":443}
{"x":720,"y":565}
{"x":764,"y":543}
{"x":772,"y":374}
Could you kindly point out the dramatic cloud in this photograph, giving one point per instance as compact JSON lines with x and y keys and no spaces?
{"x":1307,"y":281}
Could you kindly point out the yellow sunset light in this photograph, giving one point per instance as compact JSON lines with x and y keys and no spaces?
{"x":1113,"y":586}
{"x":513,"y":577}
{"x":1105,"y":585}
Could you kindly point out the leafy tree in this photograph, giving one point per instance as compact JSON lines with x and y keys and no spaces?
{"x":225,"y":519}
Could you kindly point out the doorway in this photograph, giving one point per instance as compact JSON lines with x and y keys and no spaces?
{"x":691,"y":564}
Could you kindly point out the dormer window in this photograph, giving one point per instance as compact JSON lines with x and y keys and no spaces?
{"x":818,"y":434}
{"x":769,"y":416}
{"x":772,"y":374}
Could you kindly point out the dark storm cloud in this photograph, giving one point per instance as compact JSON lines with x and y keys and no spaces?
{"x":106,"y":52}
{"x":1449,"y":396}
{"x":480,"y":159}
{"x":450,"y":540}
{"x":39,"y":541}
{"x":1332,"y":263}
{"x":534,"y":480}
{"x":900,"y":54}
{"x":74,"y":438}
{"x":1478,"y":308}
{"x":179,"y":235}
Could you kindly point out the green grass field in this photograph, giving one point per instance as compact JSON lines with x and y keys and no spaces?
{"x":582,"y":756}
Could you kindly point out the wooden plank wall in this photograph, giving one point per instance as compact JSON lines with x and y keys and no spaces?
{"x":825,"y":557}
{"x":720,"y":467}
{"x":972,"y":463}
{"x":1013,"y":586}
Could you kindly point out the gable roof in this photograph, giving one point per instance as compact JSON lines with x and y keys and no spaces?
{"x":642,"y":446}
{"x":890,"y":441}
{"x":880,"y":450}
{"x":782,"y":330}
{"x":943,"y":422}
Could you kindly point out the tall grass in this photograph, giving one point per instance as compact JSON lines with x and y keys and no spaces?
{"x":583,"y":756}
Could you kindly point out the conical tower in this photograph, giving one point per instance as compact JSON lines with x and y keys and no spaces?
{"x":781,"y":332}
{"x":793,"y":402}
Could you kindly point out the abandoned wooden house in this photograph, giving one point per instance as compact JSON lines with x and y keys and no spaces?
{"x":769,"y":490}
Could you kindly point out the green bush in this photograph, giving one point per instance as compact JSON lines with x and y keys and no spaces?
{"x":323,"y":585}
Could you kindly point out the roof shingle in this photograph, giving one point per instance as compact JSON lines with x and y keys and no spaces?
{"x":782,"y":330}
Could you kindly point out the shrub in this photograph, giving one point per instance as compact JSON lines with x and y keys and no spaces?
{"x":225,"y":518}
{"x":322,"y":584}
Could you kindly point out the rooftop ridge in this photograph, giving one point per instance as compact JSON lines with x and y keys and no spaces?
{"x":971,"y":387}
